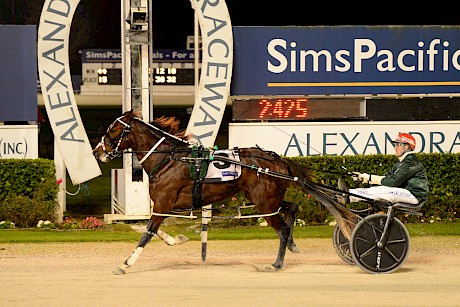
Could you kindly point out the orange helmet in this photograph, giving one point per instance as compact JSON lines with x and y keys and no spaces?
{"x":405,"y":138}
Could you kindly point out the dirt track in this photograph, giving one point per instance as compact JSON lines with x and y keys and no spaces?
{"x":80,"y":274}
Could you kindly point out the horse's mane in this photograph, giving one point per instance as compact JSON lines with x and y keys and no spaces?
{"x":169,"y":125}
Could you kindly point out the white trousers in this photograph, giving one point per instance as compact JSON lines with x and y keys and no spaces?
{"x":391,"y":194}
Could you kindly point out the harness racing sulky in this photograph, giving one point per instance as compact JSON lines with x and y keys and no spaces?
{"x":177,"y":169}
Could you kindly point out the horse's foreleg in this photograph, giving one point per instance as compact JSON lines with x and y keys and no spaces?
{"x":146,"y":237}
{"x":291,"y":214}
{"x":152,"y":227}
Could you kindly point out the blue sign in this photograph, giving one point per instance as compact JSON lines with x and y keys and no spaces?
{"x":114,"y":55}
{"x":18,"y":65}
{"x":341,"y":60}
{"x":101,"y":56}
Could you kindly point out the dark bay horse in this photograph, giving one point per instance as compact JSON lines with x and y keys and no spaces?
{"x":162,"y":149}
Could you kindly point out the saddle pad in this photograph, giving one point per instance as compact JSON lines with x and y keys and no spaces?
{"x":219,"y":171}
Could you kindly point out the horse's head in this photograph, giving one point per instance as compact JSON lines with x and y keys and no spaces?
{"x":115,"y":139}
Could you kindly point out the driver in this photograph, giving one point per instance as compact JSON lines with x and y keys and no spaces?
{"x":405,"y":182}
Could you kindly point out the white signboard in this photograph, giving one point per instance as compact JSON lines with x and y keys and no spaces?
{"x":295,"y":139}
{"x":59,"y":100}
{"x":216,"y":70}
{"x":18,"y":142}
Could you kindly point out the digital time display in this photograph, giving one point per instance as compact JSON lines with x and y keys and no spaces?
{"x":283,"y":108}
{"x":293,"y":109}
{"x":173,"y":76}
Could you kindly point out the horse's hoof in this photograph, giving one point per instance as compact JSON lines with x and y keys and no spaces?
{"x":271,"y":268}
{"x":180,"y":239}
{"x":294,"y":249}
{"x":267,"y":268}
{"x":119,"y":271}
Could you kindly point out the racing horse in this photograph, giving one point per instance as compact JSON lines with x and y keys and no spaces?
{"x":161,"y":148}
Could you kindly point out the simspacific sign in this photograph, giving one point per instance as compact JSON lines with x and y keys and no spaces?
{"x":58,"y":96}
{"x":114,"y":55}
{"x":216,"y":70}
{"x":341,"y":60}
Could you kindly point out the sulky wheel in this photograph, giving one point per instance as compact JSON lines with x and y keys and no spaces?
{"x":342,"y":245}
{"x":367,"y":253}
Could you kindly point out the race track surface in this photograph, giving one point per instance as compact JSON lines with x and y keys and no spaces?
{"x":80,"y":274}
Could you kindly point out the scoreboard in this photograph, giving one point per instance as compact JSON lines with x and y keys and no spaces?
{"x":173,"y":76}
{"x":168,"y":75}
{"x":102,"y":72}
{"x":109,"y":76}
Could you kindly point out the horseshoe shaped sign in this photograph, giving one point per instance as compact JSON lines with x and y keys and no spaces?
{"x":61,"y":107}
{"x":59,"y":99}
{"x":216,"y":70}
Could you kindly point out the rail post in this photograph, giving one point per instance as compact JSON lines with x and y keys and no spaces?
{"x":205,"y":217}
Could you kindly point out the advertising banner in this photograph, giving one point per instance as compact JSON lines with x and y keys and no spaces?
{"x":58,"y":96}
{"x":114,"y":55}
{"x":345,"y":138}
{"x":18,"y":141}
{"x":341,"y":60}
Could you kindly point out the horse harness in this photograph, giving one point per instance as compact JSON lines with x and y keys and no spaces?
{"x":115,"y":153}
{"x":199,"y":159}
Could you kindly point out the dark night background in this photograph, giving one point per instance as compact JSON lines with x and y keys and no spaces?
{"x":96,"y":23}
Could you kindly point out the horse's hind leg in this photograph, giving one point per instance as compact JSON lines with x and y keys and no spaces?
{"x":291,"y":213}
{"x":152,"y":227}
{"x":168,"y":239}
{"x":283,"y":231}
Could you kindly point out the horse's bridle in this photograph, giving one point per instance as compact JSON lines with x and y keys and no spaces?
{"x":118,"y":139}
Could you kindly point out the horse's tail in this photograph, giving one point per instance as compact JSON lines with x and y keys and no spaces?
{"x":297,"y":170}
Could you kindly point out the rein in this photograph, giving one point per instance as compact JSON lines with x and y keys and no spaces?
{"x":266,"y":171}
{"x":328,"y":172}
{"x":159,"y":165}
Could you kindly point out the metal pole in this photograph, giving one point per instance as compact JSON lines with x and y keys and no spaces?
{"x":150,"y":69}
{"x":197,"y":53}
